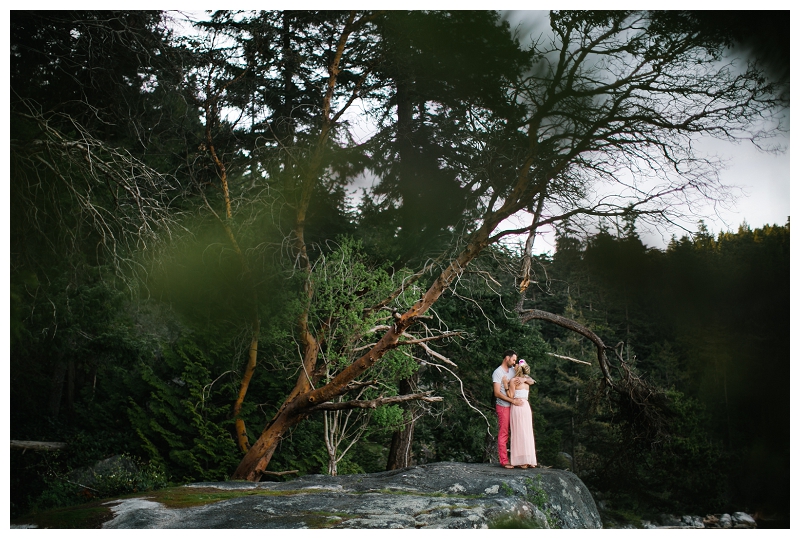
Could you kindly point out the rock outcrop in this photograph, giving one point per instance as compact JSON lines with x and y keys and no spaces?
{"x":439,"y":495}
{"x":117,"y":464}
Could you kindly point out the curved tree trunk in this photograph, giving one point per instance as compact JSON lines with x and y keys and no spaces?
{"x":241,"y":431}
{"x":212,"y":115}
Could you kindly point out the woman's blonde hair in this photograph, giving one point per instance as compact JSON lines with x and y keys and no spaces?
{"x":520,"y":369}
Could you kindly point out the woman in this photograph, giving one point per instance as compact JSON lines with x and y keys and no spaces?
{"x":523,"y":449}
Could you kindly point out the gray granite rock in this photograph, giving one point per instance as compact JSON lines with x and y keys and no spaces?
{"x":743,"y":520}
{"x":439,"y":495}
{"x":692,"y":521}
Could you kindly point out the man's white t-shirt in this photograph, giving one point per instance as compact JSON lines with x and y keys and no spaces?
{"x":497,"y":377}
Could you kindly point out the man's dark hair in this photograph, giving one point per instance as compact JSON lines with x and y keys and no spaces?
{"x":509,"y":353}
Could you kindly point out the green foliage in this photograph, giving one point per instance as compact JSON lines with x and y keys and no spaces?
{"x":72,"y":372}
{"x":505,"y":489}
{"x":549,"y":440}
{"x":58,"y":493}
{"x":123,"y":478}
{"x":302,"y":450}
{"x":511,"y":522}
{"x":371,"y":452}
{"x":701,"y":461}
{"x":388,"y":417}
{"x":345,"y":284}
{"x":686,"y":333}
{"x":149,"y":476}
{"x":184,"y":421}
{"x":535,"y":494}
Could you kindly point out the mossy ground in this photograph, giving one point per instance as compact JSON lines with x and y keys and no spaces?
{"x":513,"y":522}
{"x":180,"y":497}
{"x":93,"y":514}
{"x":85,"y":516}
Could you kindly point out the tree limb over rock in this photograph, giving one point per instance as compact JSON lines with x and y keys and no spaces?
{"x":645,"y":406}
{"x":535,"y":314}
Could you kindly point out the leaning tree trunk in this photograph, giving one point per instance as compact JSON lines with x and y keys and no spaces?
{"x":252,"y":357}
{"x":297,"y":406}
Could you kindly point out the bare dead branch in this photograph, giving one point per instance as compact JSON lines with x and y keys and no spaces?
{"x":139,"y":215}
{"x":37,"y":446}
{"x":374,"y":403}
{"x":352,"y":386}
{"x":536,"y":314}
{"x":437,"y":355}
{"x":461,"y":386}
{"x":568,"y":358}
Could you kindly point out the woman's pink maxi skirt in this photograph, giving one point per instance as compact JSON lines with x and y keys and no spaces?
{"x":523,"y":449}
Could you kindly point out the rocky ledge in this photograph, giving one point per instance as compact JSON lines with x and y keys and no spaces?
{"x":440,"y":495}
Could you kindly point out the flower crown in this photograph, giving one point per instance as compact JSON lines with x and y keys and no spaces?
{"x":522,"y":366}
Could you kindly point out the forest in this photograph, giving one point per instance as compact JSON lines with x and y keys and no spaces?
{"x":300,"y":241}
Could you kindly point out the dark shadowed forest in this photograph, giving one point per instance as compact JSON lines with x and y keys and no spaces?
{"x":280,"y":242}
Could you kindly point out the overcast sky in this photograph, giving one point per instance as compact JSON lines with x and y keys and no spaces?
{"x":761,"y":179}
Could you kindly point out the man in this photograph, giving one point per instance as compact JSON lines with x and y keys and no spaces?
{"x":503,"y":404}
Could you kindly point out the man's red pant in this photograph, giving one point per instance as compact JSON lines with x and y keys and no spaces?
{"x":503,"y":420}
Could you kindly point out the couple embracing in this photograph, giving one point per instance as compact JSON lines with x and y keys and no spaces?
{"x":512,"y":383}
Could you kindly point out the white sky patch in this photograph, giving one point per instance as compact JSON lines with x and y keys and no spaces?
{"x":760,"y":179}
